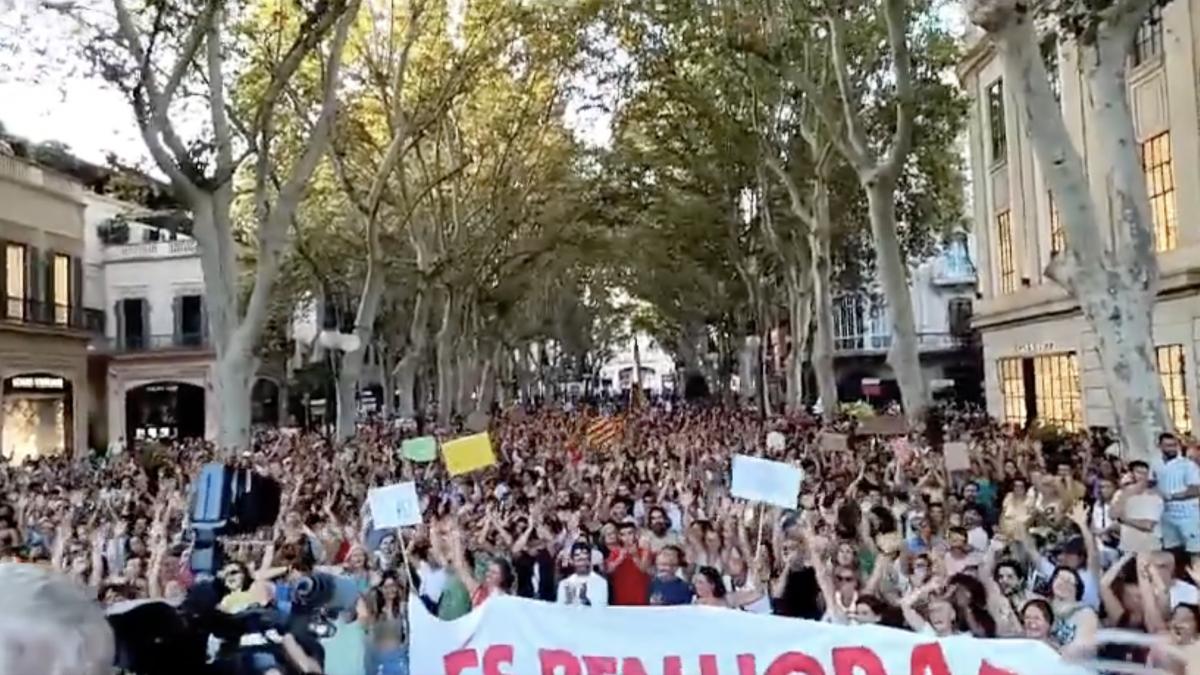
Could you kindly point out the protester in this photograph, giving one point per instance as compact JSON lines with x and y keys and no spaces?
{"x":1046,"y":538}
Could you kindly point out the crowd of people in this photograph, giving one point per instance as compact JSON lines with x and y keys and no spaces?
{"x":1044,"y":537}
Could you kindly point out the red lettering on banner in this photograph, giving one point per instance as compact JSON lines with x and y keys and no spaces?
{"x":847,"y":659}
{"x":795,"y":663}
{"x":746,"y":665}
{"x":632,"y":665}
{"x":928,"y":659}
{"x":986,"y":668}
{"x":600,"y":665}
{"x":558,"y":662}
{"x":456,"y":662}
{"x":672,"y":665}
{"x":496,"y":656}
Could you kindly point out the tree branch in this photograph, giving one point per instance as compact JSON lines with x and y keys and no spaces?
{"x":850,"y":112}
{"x":894,"y":17}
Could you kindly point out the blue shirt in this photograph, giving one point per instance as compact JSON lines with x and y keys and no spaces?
{"x":673,"y":591}
{"x":1174,"y":477}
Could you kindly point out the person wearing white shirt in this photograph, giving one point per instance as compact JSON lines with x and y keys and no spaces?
{"x":1139,"y":512}
{"x":977,"y":537}
{"x":1178,"y":480}
{"x":584,"y":587}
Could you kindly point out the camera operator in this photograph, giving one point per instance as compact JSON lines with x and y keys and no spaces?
{"x":281,"y":627}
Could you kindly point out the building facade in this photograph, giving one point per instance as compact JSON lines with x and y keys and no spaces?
{"x":1040,"y":357}
{"x":942,"y":292}
{"x":152,"y":373}
{"x":44,"y":327}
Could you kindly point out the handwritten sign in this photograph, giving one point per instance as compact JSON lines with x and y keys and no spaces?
{"x":423,"y":449}
{"x":834,"y":442}
{"x":776,"y":441}
{"x":395,"y":506}
{"x":884,"y":425}
{"x":762,"y":480}
{"x":956,"y":456}
{"x":467,"y":454}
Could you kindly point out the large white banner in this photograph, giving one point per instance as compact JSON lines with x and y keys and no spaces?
{"x":514,"y":636}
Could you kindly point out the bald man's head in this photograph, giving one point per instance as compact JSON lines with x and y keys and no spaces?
{"x":50,"y":625}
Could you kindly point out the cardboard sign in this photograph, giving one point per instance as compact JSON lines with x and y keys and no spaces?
{"x":395,"y":506}
{"x":884,"y":425}
{"x":835,"y":442}
{"x":762,"y":480}
{"x":776,"y":441}
{"x":423,"y":449}
{"x":957,"y":457}
{"x":467,"y":454}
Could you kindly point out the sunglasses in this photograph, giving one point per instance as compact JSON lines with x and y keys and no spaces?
{"x":845,"y":579}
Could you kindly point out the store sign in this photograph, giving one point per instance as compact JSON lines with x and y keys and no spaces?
{"x":1035,"y":347}
{"x":36,"y":382}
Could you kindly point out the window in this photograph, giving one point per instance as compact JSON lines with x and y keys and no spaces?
{"x":1012,"y":390}
{"x":62,"y":289}
{"x":1174,"y":383}
{"x":1058,"y":238}
{"x":1148,"y":42}
{"x":1050,"y":60}
{"x":959,"y":311}
{"x":995,"y":101}
{"x":14,"y":257}
{"x":1056,"y":390}
{"x":1160,"y":188}
{"x":1008,"y":268}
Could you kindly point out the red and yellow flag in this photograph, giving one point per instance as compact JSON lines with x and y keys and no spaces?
{"x":603,"y":431}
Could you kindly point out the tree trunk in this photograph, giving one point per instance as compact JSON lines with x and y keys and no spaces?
{"x":445,"y":363}
{"x":406,"y":370}
{"x":764,"y":367}
{"x":487,"y":382}
{"x":799,"y":321}
{"x":822,"y":351}
{"x":233,"y":336}
{"x":347,"y":396}
{"x":1115,"y":286}
{"x":903,"y":356}
{"x":234,"y":370}
{"x":387,"y":381}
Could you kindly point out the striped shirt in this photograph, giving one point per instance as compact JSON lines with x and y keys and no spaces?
{"x":1174,"y":477}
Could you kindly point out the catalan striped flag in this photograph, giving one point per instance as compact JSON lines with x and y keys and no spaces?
{"x":603,"y":431}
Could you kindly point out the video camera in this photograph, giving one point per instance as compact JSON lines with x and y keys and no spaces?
{"x":157,"y":637}
{"x":228,"y":501}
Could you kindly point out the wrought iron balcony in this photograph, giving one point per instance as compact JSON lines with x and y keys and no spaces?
{"x":28,"y":312}
{"x":870,"y":343}
{"x":135,"y":342}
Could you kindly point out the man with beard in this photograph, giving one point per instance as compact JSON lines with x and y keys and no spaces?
{"x":660,"y":535}
{"x":1007,"y":590}
{"x":1178,"y":480}
{"x":584,"y":586}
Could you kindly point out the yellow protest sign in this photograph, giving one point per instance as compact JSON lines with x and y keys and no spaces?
{"x":466,"y":454}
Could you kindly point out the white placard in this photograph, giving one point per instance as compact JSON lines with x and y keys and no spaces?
{"x":957,"y":457}
{"x":775,"y":441}
{"x":395,"y":506}
{"x":762,"y":480}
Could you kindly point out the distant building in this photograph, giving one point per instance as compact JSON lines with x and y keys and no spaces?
{"x":1040,"y":355}
{"x":152,"y":371}
{"x":657,"y":369}
{"x":44,"y":327}
{"x":942,"y":291}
